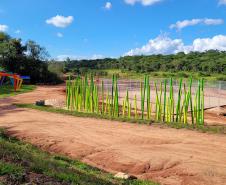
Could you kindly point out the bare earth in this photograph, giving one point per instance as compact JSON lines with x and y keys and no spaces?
{"x":166,"y":155}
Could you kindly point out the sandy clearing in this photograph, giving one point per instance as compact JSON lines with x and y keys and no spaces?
{"x":166,"y":155}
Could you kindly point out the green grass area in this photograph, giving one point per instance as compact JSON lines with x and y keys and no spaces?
{"x":162,"y":74}
{"x":216,"y":129}
{"x":8,"y":90}
{"x":22,"y":163}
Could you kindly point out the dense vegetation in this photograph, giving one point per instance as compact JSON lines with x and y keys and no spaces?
{"x":25,"y":59}
{"x":21,"y":163}
{"x":83,"y":96}
{"x":205,"y":64}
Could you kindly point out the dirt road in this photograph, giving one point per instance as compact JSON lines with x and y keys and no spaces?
{"x":168,"y":156}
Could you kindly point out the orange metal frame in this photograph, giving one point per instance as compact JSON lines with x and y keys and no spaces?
{"x":17,"y":80}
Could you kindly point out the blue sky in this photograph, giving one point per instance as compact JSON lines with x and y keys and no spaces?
{"x":112,"y":28}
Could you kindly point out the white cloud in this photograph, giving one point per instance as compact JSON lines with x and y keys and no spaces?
{"x":182,"y":24}
{"x":185,"y":23}
{"x":160,"y":45}
{"x":222,"y":2}
{"x":165,"y":45}
{"x":75,"y":57}
{"x":213,"y":21}
{"x":108,"y":6}
{"x":143,"y":2}
{"x":60,"y":35}
{"x":17,"y":31}
{"x":218,"y":42}
{"x":60,"y":21}
{"x":3,"y":28}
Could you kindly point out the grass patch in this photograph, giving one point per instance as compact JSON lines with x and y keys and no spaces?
{"x":8,"y":90}
{"x":22,"y":163}
{"x":10,"y":169}
{"x":217,"y":129}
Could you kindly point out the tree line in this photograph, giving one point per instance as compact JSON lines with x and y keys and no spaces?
{"x":208,"y":62}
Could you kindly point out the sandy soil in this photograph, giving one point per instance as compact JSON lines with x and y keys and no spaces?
{"x":169,"y":156}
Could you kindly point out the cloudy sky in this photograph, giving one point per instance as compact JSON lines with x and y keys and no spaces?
{"x":113,"y":28}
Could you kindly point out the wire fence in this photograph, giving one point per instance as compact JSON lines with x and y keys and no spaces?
{"x":214,"y":94}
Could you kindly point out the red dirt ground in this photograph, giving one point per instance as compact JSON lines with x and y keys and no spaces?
{"x":169,"y":156}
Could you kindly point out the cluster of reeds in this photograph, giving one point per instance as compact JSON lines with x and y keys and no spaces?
{"x":182,"y":108}
{"x":83,"y":94}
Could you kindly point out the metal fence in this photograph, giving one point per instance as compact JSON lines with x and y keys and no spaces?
{"x":215,"y":91}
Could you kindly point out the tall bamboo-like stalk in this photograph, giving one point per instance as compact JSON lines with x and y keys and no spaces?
{"x":191,"y":102}
{"x":102,"y":97}
{"x":164,"y":104}
{"x":160,"y":103}
{"x":157,"y":110}
{"x":127,"y":102}
{"x":107,"y":103}
{"x":87,"y":101}
{"x":195,"y":108}
{"x":185,"y":105}
{"x":76,"y":95}
{"x":148,"y":97}
{"x":203,"y":102}
{"x":112,"y":94}
{"x":84,"y":91}
{"x":199,"y":102}
{"x":179,"y":101}
{"x":141,"y":95}
{"x":129,"y":111}
{"x":167,"y":111}
{"x":143,"y":90}
{"x":123,"y":108}
{"x":96,"y":97}
{"x":135,"y":106}
{"x":68,"y":93}
{"x":171,"y":101}
{"x":116,"y":102}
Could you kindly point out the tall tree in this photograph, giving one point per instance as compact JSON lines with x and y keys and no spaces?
{"x":35,"y":51}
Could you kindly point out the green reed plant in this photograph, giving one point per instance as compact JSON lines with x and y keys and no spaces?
{"x":85,"y":95}
{"x":164,"y":105}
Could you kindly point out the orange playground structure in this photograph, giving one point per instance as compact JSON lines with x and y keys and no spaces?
{"x":15,"y":79}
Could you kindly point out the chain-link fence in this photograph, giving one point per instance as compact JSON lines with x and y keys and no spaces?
{"x":214,"y":93}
